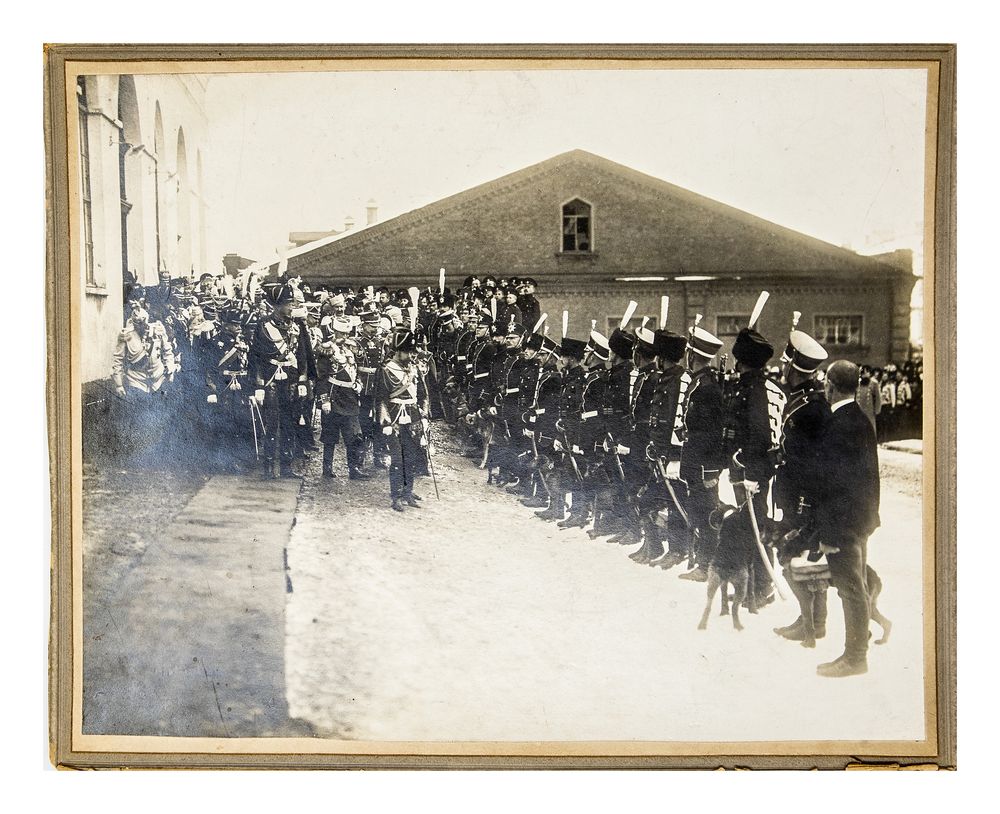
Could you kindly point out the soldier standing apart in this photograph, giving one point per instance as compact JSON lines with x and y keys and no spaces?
{"x":848,"y":513}
{"x":275,"y":368}
{"x":701,"y":460}
{"x":340,"y":403}
{"x":401,"y":420}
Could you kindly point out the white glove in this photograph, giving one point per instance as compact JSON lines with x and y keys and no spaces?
{"x":259,"y":396}
{"x":326,"y":407}
{"x":751,"y":486}
{"x":557,"y":446}
{"x":674,"y":470}
{"x":387,"y":430}
{"x":213,"y":399}
{"x":493,"y":410}
{"x":622,"y":450}
{"x":828,"y":549}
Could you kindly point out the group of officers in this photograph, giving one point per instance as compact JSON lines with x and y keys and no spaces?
{"x":627,"y":435}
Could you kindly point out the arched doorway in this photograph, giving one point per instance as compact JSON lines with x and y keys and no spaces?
{"x":130,"y":179}
{"x":184,"y":265}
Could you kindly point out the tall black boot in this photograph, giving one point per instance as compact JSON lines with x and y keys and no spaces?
{"x":328,"y":460}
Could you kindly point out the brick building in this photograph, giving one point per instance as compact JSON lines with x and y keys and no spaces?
{"x":595,"y":234}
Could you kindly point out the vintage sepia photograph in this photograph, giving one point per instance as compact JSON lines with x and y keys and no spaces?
{"x":430,"y":404}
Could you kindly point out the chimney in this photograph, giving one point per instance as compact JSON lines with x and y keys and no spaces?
{"x":371,"y":211}
{"x":348,"y":223}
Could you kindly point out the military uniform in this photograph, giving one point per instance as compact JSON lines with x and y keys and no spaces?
{"x":278,"y":371}
{"x":401,"y":420}
{"x":589,"y":433}
{"x":369,"y":353}
{"x":616,"y":509}
{"x":567,"y":473}
{"x":754,"y":406}
{"x":702,"y":456}
{"x":338,"y":390}
{"x":798,"y":483}
{"x":224,"y":361}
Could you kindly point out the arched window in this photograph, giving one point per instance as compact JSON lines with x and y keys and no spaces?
{"x":576,"y":226}
{"x":85,"y":194}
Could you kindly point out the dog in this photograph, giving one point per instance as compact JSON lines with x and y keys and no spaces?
{"x":810,"y":590}
{"x":874,"y":591}
{"x":730,"y":565}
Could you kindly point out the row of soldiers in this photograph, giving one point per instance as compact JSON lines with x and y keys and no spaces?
{"x":629,"y":435}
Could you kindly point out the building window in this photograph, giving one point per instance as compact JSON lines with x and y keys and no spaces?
{"x":837,"y":330}
{"x":729,"y":325}
{"x":85,"y":194}
{"x":576,"y":226}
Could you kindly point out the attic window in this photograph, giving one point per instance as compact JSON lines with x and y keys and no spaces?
{"x":576,"y":226}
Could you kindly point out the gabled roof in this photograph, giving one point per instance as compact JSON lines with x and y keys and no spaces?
{"x":797,"y":251}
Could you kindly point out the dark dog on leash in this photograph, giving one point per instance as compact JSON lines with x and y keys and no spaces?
{"x":731,"y":566}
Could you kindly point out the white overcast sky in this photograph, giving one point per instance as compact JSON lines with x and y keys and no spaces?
{"x":838,"y":153}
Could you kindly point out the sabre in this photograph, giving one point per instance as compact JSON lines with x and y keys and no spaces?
{"x":430,"y":465}
{"x":486,"y":447}
{"x":760,"y":546}
{"x":673,"y":496}
{"x":253,"y":422}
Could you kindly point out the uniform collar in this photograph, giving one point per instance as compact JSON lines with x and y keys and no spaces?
{"x":838,"y":404}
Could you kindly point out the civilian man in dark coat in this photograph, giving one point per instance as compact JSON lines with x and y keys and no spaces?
{"x":848,"y":512}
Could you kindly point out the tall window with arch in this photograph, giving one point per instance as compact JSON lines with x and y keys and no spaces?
{"x":86,"y":210}
{"x":577,"y":225}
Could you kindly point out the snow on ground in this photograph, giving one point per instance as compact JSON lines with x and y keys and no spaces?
{"x":470,"y":619}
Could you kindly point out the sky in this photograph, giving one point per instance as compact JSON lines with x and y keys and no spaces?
{"x":837,"y":154}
